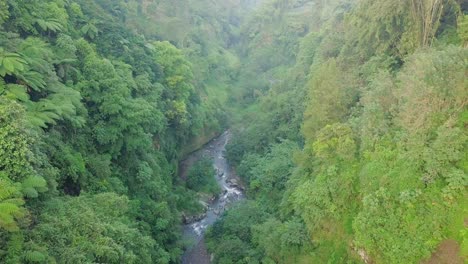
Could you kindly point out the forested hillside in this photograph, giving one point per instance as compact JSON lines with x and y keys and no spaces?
{"x":353,"y":143}
{"x":96,"y":107}
{"x":349,"y":122}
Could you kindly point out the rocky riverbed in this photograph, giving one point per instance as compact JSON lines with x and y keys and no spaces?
{"x":232,"y":191}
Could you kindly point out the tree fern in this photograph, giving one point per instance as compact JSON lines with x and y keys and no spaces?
{"x":49,"y":24}
{"x":57,"y":106}
{"x":39,"y":116}
{"x":33,"y":185}
{"x":34,"y":256}
{"x":7,"y":211}
{"x":10,"y":204}
{"x":90,"y":30}
{"x":14,"y":248}
{"x":32,"y":79}
{"x":16,"y":201}
{"x":37,"y":53}
{"x":10,"y":63}
{"x":7,"y":189}
{"x":4,"y":14}
{"x":15,"y":92}
{"x":2,"y":86}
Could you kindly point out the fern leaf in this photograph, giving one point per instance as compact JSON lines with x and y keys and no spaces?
{"x":33,"y":79}
{"x":16,"y":92}
{"x":30,"y":192}
{"x":8,"y":208}
{"x":16,"y":201}
{"x":34,"y":256}
{"x":10,"y":63}
{"x":35,"y":182}
{"x":2,"y":86}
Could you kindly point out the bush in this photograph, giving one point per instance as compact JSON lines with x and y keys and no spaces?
{"x":201,"y":177}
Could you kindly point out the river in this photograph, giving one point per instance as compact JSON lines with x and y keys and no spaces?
{"x":231,"y":192}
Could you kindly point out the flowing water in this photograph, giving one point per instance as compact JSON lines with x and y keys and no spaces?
{"x":231,"y":192}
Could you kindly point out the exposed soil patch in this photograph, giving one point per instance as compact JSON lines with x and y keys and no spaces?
{"x":448,"y":252}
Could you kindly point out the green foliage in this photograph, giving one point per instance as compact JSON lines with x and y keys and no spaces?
{"x":34,"y":256}
{"x":90,"y":30}
{"x":177,"y":76}
{"x":15,"y":154}
{"x":334,"y":142}
{"x":15,"y":247}
{"x":231,"y":237}
{"x":89,"y":106}
{"x":4,"y":14}
{"x":52,"y":25}
{"x":11,"y":202}
{"x":380,"y":27}
{"x":282,"y":242}
{"x":331,"y":94}
{"x":405,"y":231}
{"x":201,"y":177}
{"x":463,"y":28}
{"x":422,"y":174}
{"x":89,"y":229}
{"x":382,"y":173}
{"x":269,"y":174}
{"x":95,"y":113}
{"x":10,"y":63}
{"x":32,"y":186}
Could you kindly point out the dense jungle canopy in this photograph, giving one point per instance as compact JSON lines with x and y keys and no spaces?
{"x":349,"y":122}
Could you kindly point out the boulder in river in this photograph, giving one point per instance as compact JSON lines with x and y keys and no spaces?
{"x":233,"y":183}
{"x":212,"y":198}
{"x":189,"y":219}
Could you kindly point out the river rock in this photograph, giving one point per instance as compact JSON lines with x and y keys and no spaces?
{"x":233,"y":183}
{"x":232,"y":198}
{"x":212,"y":198}
{"x":189,"y":219}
